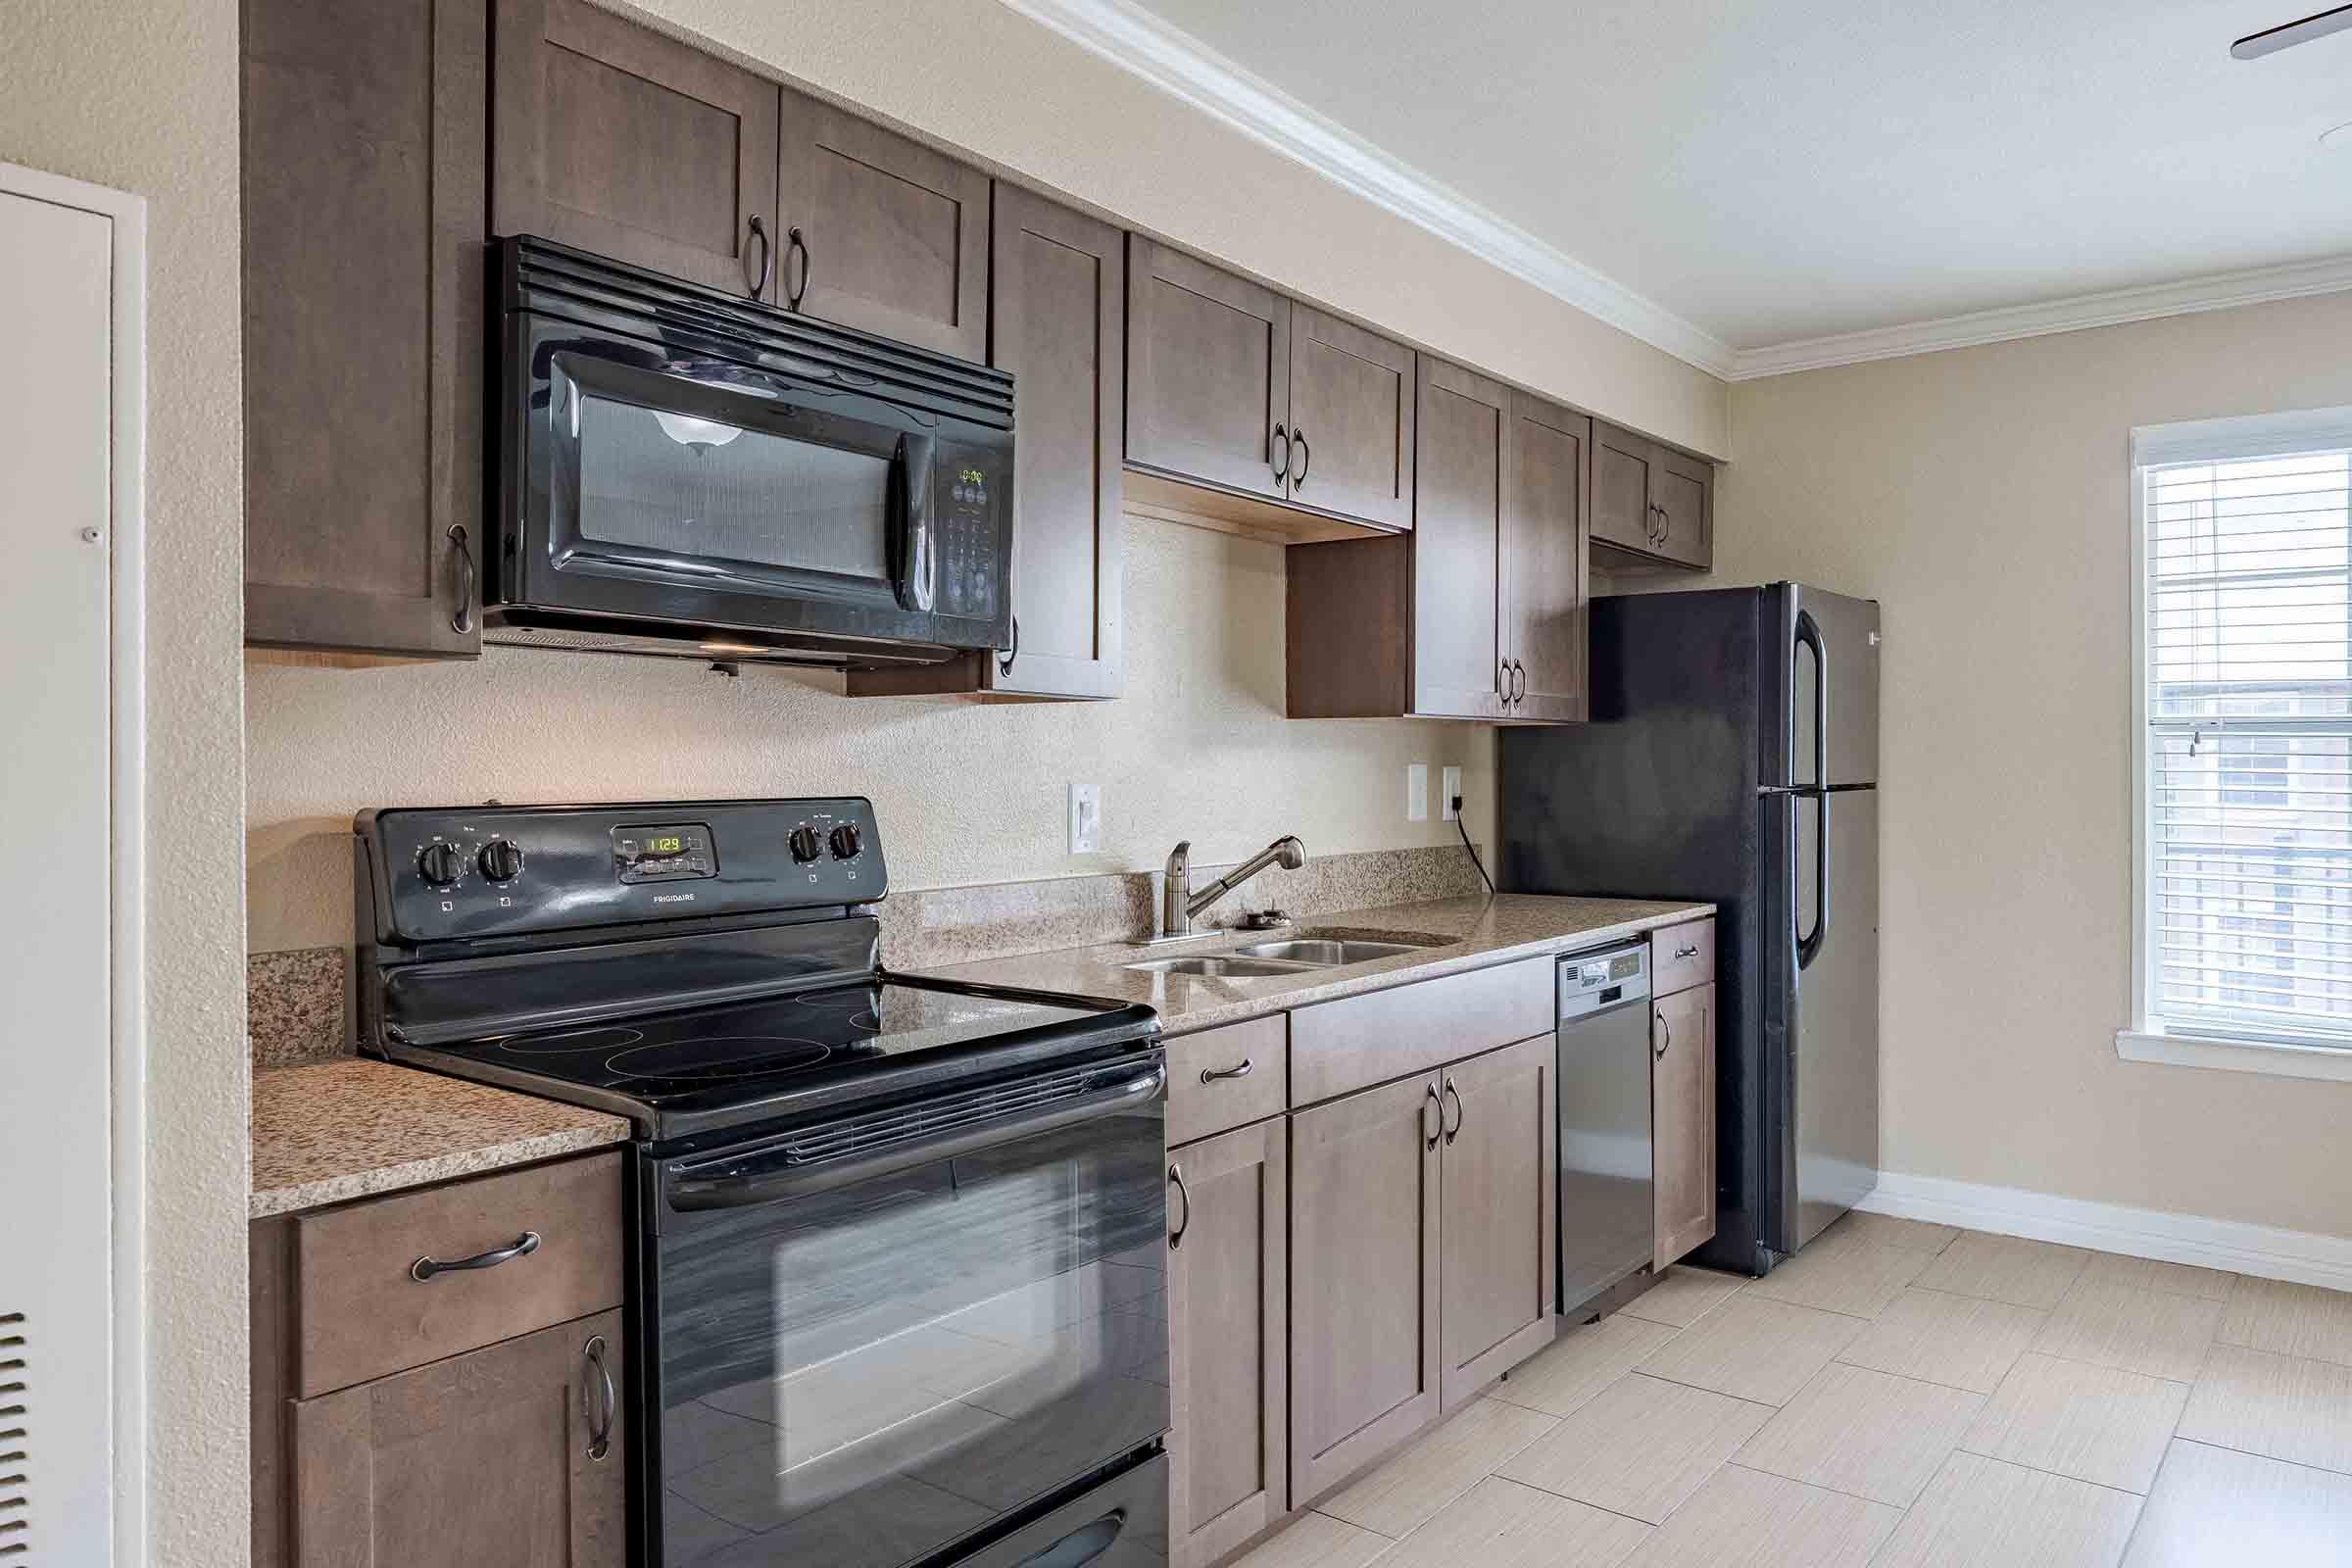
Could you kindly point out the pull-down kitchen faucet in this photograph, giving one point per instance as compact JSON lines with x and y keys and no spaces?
{"x":1178,"y":903}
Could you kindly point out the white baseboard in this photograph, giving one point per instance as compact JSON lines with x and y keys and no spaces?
{"x":2265,"y":1251}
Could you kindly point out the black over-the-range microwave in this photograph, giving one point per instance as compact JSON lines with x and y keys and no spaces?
{"x":682,"y":471}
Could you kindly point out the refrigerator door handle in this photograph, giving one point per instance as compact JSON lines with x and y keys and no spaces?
{"x":1808,"y":635}
{"x":1808,"y":944}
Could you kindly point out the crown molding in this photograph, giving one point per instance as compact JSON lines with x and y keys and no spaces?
{"x":1179,"y":64}
{"x":2219,"y":291}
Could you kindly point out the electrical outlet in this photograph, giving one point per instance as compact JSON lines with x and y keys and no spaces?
{"x":1416,"y":792}
{"x":1451,"y":790}
{"x":1086,"y":819}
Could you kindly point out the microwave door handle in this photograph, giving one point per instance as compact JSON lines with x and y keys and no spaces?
{"x":910,"y":521}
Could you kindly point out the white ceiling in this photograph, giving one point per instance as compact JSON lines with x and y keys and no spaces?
{"x":1777,"y":171}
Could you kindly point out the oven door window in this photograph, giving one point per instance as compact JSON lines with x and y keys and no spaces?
{"x":666,"y":476}
{"x":861,"y":1377}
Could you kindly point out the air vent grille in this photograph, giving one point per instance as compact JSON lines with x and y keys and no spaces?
{"x":16,"y":1443}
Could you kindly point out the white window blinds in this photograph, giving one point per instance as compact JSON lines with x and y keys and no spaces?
{"x":2246,"y":846}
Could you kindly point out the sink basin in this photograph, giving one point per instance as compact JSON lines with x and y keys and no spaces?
{"x":1227,"y":966}
{"x":1331,"y":951}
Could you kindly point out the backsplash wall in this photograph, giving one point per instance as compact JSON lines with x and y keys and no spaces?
{"x":965,"y":792}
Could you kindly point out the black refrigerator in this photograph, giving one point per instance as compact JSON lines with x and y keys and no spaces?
{"x":1733,"y":756}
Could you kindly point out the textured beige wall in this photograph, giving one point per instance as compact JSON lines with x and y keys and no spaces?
{"x":1983,"y":495}
{"x":981,"y":78}
{"x":144,"y":98}
{"x":965,"y":792}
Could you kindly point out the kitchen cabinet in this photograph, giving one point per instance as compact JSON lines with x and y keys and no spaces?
{"x":880,"y":232}
{"x":1228,"y":1340}
{"x":616,"y":139}
{"x":1652,"y":507}
{"x":1548,"y":583}
{"x":1364,"y":1273}
{"x":1233,"y":386}
{"x":1681,"y":1099}
{"x":1498,"y":1185}
{"x":1457,"y":545}
{"x":363,"y":135}
{"x":1058,"y":284}
{"x":511,"y":1454}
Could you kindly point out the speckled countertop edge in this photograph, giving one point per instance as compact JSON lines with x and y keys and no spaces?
{"x":1479,"y":932}
{"x":333,"y":1131}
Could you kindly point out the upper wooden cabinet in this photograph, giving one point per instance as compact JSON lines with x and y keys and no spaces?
{"x":880,"y":232}
{"x":364,"y":138}
{"x":1548,"y":589}
{"x":616,"y":139}
{"x":1652,"y":505}
{"x":1234,"y":386}
{"x":1458,"y":635}
{"x":1058,"y":286}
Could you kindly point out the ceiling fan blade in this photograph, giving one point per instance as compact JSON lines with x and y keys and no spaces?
{"x":2269,"y":41}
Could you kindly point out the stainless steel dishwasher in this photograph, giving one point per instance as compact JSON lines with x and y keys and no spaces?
{"x":1606,"y":1192}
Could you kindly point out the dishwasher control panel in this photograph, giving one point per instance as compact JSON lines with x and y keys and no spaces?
{"x":1592,"y":981}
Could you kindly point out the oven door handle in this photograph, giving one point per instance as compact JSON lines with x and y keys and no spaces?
{"x":688,"y":1193}
{"x":913,"y":561}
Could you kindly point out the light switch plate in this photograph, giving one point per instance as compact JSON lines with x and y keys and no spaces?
{"x":1086,"y":819}
{"x":1416,"y":792}
{"x":1449,"y":791}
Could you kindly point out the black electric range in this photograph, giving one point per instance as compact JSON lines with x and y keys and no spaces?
{"x":900,"y":1242}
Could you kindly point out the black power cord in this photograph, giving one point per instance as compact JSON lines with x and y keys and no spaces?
{"x":1472,"y":847}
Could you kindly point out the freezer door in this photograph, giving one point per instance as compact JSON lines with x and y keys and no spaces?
{"x":1829,"y":691}
{"x":1826,"y":1005}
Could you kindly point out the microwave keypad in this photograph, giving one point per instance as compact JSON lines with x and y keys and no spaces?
{"x":967,"y":547}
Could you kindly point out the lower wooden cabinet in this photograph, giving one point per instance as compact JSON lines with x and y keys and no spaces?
{"x":511,"y":1454}
{"x":1499,"y":1187}
{"x":1364,"y":1238}
{"x":1228,"y":1340}
{"x":1681,"y":1101}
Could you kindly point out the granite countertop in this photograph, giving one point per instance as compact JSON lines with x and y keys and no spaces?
{"x":337,"y":1130}
{"x":1476,"y":932}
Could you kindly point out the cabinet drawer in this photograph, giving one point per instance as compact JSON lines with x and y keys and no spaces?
{"x":1346,"y":1044}
{"x":1682,"y":956}
{"x":363,"y":1314}
{"x":1227,"y":1077}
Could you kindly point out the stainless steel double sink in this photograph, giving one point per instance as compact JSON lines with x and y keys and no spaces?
{"x":1309,"y":950}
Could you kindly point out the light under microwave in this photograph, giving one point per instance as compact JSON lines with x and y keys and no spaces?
{"x":684,"y":472}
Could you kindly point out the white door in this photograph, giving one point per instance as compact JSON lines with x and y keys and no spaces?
{"x":55,"y":1322}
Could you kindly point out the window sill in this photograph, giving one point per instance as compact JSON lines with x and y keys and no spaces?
{"x":2275,"y":1057}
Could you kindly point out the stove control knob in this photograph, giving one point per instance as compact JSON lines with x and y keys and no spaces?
{"x":441,"y":865}
{"x":803,"y":844}
{"x":500,"y":859}
{"x":846,"y":842}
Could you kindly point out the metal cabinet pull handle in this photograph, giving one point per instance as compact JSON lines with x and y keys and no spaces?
{"x":462,"y":620}
{"x":1518,"y":681}
{"x":1282,"y":469}
{"x":1666,"y":1044}
{"x":424,"y":1268}
{"x":1691,"y":952}
{"x":795,"y":240}
{"x":1460,"y":1115}
{"x":1665,"y":524}
{"x":767,"y":256}
{"x":1176,"y":1235}
{"x":1306,"y":458}
{"x":1005,"y":665}
{"x":1503,"y":681}
{"x":1210,"y":1075}
{"x":1430,"y":1140}
{"x":599,"y":1417}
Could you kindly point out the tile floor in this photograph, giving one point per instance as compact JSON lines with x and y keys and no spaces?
{"x":1897,"y":1395}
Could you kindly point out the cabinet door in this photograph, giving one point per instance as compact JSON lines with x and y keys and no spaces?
{"x":1364,"y":1236}
{"x":621,"y":141}
{"x":1208,"y":372}
{"x":1544,"y":559}
{"x":1352,"y":421}
{"x":1459,"y":434}
{"x":1622,"y":464}
{"x":364,"y":139}
{"x":487,"y":1457}
{"x":1682,"y":1112}
{"x":1499,"y":1185}
{"x":1228,"y":1340}
{"x":1685,"y":496}
{"x":893,"y":234}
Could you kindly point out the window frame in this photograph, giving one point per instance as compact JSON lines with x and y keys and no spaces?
{"x":2148,"y":1037}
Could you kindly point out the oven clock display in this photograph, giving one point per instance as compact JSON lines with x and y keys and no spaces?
{"x":663,"y":852}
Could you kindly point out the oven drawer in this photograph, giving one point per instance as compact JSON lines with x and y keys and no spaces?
{"x":1682,"y":956}
{"x":362,"y":1312}
{"x":1122,"y":1523}
{"x":1227,"y":1077}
